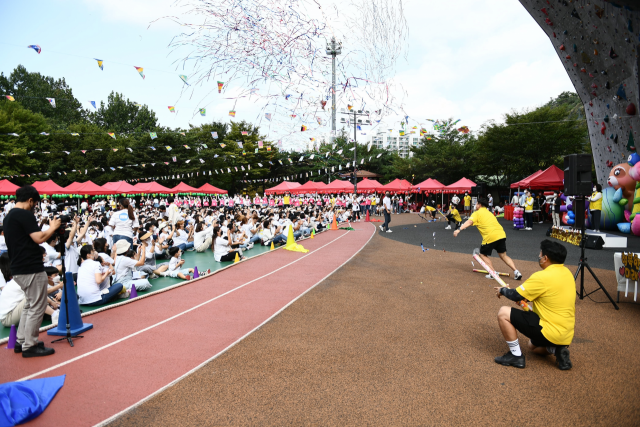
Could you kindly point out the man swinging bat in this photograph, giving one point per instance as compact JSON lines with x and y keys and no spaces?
{"x":493,"y":236}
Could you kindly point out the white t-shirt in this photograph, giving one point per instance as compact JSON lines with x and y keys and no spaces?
{"x":3,"y":243}
{"x":387,"y":203}
{"x":220,"y":248}
{"x":71,"y":255}
{"x":122,"y":225}
{"x":88,"y":288}
{"x":173,"y":263}
{"x":201,"y":236}
{"x":123,"y":265}
{"x":52,"y":254}
{"x":11,"y":296}
{"x":180,"y":237}
{"x":83,"y":205}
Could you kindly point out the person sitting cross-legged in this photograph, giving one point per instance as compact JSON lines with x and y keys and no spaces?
{"x":550,"y":325}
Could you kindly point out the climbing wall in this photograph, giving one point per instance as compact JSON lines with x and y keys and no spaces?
{"x":598,"y":42}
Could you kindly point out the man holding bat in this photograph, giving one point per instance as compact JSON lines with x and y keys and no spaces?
{"x":551,"y":324}
{"x":493,"y":236}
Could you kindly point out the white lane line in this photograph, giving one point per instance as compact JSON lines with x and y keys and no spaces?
{"x":135,"y":405}
{"x":172,"y":317}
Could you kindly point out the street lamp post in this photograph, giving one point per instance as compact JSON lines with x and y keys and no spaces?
{"x":334,"y":48}
{"x":356,"y":122}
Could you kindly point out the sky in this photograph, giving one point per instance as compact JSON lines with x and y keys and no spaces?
{"x":472,"y":60}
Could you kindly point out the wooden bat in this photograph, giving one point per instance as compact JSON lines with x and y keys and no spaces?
{"x":475,"y":270}
{"x":497,"y":278}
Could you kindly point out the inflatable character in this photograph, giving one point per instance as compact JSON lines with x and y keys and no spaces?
{"x":619,"y":177}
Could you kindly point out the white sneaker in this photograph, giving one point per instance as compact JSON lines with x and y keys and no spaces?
{"x":488,"y":276}
{"x":389,"y":231}
{"x":125,"y":295}
{"x":54,"y":317}
{"x":381,"y":228}
{"x":448,"y":227}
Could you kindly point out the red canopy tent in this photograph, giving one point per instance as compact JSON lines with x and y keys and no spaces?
{"x":430,"y":185}
{"x":368,"y":186}
{"x":551,"y":178}
{"x":72,"y":188}
{"x":210,"y":189}
{"x":48,"y":187}
{"x":283,"y":187}
{"x":337,"y":186}
{"x":397,"y":186}
{"x":184,"y":188}
{"x":89,"y":188}
{"x":309,"y":187}
{"x":7,"y":188}
{"x":119,"y":187}
{"x":460,"y":186}
{"x":151,"y":188}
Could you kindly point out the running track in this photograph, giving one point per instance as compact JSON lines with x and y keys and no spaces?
{"x":139,"y":349}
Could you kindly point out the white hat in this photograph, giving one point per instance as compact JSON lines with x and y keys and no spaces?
{"x":122,"y":246}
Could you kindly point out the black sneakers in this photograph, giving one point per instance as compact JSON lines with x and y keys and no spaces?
{"x":18,"y":347}
{"x":38,"y":351}
{"x":562,"y":358}
{"x":509,"y":359}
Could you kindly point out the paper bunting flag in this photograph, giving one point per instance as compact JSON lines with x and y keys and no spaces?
{"x":174,"y":159}
{"x":168,"y":148}
{"x":52,"y":101}
{"x":301,"y":158}
{"x":153,"y":148}
{"x":222,"y":145}
{"x":203,"y":145}
{"x":339,"y":151}
{"x":75,"y":134}
{"x":293,"y":116}
{"x":171,"y":109}
{"x":186,"y":161}
{"x":115,"y":149}
{"x":323,"y":103}
{"x":236,"y":168}
{"x":311,"y":156}
{"x":100,"y":61}
{"x":166,"y":163}
{"x":220,"y":84}
{"x":140,"y":70}
{"x":378,"y":155}
{"x":280,"y":161}
{"x":279,"y":143}
{"x":255,"y":151}
{"x":290,"y":162}
{"x":203,"y":111}
{"x":241,"y":167}
{"x":239,"y":144}
{"x":35,"y":47}
{"x":349,"y":107}
{"x":369,"y":147}
{"x":93,"y":103}
{"x":130,"y":150}
{"x":352,"y":148}
{"x":312,"y":139}
{"x":214,"y":135}
{"x":183,"y":78}
{"x":10,"y":98}
{"x":319,"y":119}
{"x":187,"y":147}
{"x":232,"y":113}
{"x":137,"y":105}
{"x":268,"y":148}
{"x":112,"y":135}
{"x":463,"y":129}
{"x":201,"y":161}
{"x":44,"y":133}
{"x":362,"y":161}
{"x":244,"y":132}
{"x":287,"y":97}
{"x":153,"y":135}
{"x":267,"y":116}
{"x":84,"y":151}
{"x":401,"y":132}
{"x":260,"y":144}
{"x":303,"y":128}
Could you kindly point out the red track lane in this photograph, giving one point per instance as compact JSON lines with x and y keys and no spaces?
{"x":119,"y":363}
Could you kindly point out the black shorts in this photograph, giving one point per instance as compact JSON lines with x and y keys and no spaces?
{"x":528,"y":323}
{"x":499,"y":245}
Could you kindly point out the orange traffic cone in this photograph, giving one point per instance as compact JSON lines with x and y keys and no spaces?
{"x":367,"y":218}
{"x":334,"y":224}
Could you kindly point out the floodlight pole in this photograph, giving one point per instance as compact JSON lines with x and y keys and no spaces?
{"x":356,"y":113}
{"x":333,"y":49}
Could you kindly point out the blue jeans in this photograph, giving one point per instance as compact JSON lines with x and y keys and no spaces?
{"x":117,"y":237}
{"x":387,"y":220}
{"x":114,"y":291}
{"x":256,"y":238}
{"x":279,"y":238}
{"x":185,"y":246}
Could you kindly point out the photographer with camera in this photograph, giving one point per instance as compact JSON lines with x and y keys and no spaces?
{"x":23,"y":237}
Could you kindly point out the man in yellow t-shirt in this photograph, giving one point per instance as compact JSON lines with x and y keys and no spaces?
{"x":528,"y":211}
{"x":453,"y":216}
{"x":467,"y":204}
{"x":286,"y":200}
{"x":493,"y":236}
{"x":551,"y":324}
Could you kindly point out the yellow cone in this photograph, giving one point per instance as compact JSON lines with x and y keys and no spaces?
{"x":292,"y":245}
{"x":237,"y":258}
{"x":272,"y":247}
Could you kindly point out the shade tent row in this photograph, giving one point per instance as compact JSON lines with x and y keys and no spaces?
{"x":551,"y":178}
{"x":90,"y":188}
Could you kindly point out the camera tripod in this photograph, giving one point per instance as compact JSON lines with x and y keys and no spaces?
{"x":579,"y":203}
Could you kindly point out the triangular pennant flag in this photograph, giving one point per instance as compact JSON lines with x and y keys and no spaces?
{"x":168,"y":148}
{"x":214,"y":135}
{"x":100,"y":61}
{"x":52,"y":101}
{"x":153,"y":135}
{"x":220,"y":84}
{"x":112,"y":135}
{"x":10,"y":98}
{"x":171,"y":109}
{"x":35,"y":47}
{"x":203,"y":111}
{"x":140,"y":70}
{"x":183,"y":78}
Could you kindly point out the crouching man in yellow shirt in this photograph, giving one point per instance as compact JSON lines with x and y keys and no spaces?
{"x":551,"y":324}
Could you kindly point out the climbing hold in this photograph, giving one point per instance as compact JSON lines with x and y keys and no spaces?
{"x":615,"y":139}
{"x":603,"y":128}
{"x":583,"y":70}
{"x":611,"y":136}
{"x":612,"y":54}
{"x":607,"y":85}
{"x":565,"y":32}
{"x":575,"y":64}
{"x":568,"y":57}
{"x":606,"y":118}
{"x":593,"y":85}
{"x":544,"y":10}
{"x":615,"y":117}
{"x":621,"y":93}
{"x":595,"y":51}
{"x":607,"y":106}
{"x":548,"y":21}
{"x":603,"y":72}
{"x":599,"y":11}
{"x":631,"y":109}
{"x":591,"y":105}
{"x":574,"y":13}
{"x":561,"y":47}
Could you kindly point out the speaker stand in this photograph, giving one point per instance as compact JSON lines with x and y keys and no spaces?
{"x":581,"y":266}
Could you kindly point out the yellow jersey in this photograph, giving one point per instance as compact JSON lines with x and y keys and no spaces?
{"x":467,"y":200}
{"x":455,"y":214}
{"x":528,"y":204}
{"x":488,"y":226}
{"x":553,"y":293}
{"x":286,"y":200}
{"x":597,"y":205}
